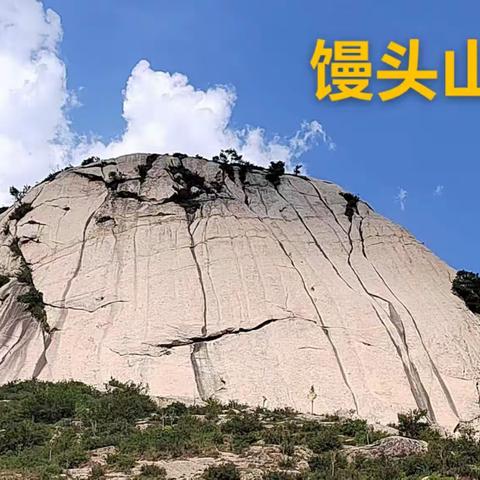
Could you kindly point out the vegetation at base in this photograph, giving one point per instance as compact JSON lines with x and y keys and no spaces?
{"x":413,"y":424}
{"x":47,"y":427}
{"x":467,"y":286}
{"x":227,"y":471}
{"x":352,"y":204}
{"x":152,"y":472}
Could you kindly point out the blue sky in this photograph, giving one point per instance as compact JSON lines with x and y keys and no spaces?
{"x":262,"y":49}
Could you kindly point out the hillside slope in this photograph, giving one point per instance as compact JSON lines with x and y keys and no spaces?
{"x":209,"y":281}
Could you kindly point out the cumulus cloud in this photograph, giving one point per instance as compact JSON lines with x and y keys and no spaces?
{"x":163,"y":112}
{"x":34,"y":131}
{"x":401,"y":198}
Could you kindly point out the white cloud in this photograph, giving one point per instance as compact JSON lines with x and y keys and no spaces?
{"x":438,"y":192}
{"x":163,"y":111}
{"x":401,"y":198}
{"x":34,"y":131}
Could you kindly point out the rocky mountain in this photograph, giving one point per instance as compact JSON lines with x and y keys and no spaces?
{"x":204,"y":279}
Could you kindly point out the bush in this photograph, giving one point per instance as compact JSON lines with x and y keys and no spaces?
{"x":17,"y":436}
{"x":360,"y":431}
{"x":97,"y":472}
{"x":143,"y":169}
{"x":352,"y":204}
{"x":48,"y":402}
{"x":19,"y":194}
{"x":244,"y":428}
{"x":467,"y":286}
{"x":152,"y":471}
{"x":275,"y":171}
{"x":227,"y":471}
{"x":324,"y":440}
{"x":125,"y":402}
{"x":33,"y":300}
{"x":121,"y":461}
{"x":21,"y":211}
{"x":89,"y":161}
{"x":413,"y":424}
{"x":279,"y":475}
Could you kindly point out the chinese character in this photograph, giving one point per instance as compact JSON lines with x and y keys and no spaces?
{"x":320,"y":59}
{"x":410,"y":77}
{"x":350,"y":70}
{"x":472,"y":89}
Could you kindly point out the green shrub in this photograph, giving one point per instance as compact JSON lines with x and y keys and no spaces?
{"x":49,"y":402}
{"x":358,"y":429}
{"x":17,"y":436}
{"x":97,"y":472}
{"x":33,"y":300}
{"x":122,"y":401}
{"x":121,"y":461}
{"x":226,"y":471}
{"x":323,"y":440}
{"x":279,"y":475}
{"x":413,"y":424}
{"x":467,"y":286}
{"x":153,"y":472}
{"x":244,"y":429}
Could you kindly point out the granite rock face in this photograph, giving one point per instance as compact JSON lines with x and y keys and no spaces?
{"x":203,"y":281}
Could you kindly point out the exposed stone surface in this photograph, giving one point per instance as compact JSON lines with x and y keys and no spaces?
{"x":391,"y":447}
{"x":179,"y":275}
{"x":252,"y":464}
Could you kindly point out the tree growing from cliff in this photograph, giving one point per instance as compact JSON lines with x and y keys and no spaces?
{"x":466,"y":285}
{"x":19,"y":194}
{"x":275,"y":171}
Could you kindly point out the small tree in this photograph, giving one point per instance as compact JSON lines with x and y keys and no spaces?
{"x":298,"y":169}
{"x":412,"y":424}
{"x":466,"y":285}
{"x":89,"y":161}
{"x":228,"y":155}
{"x":275,"y":171}
{"x":19,"y":194}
